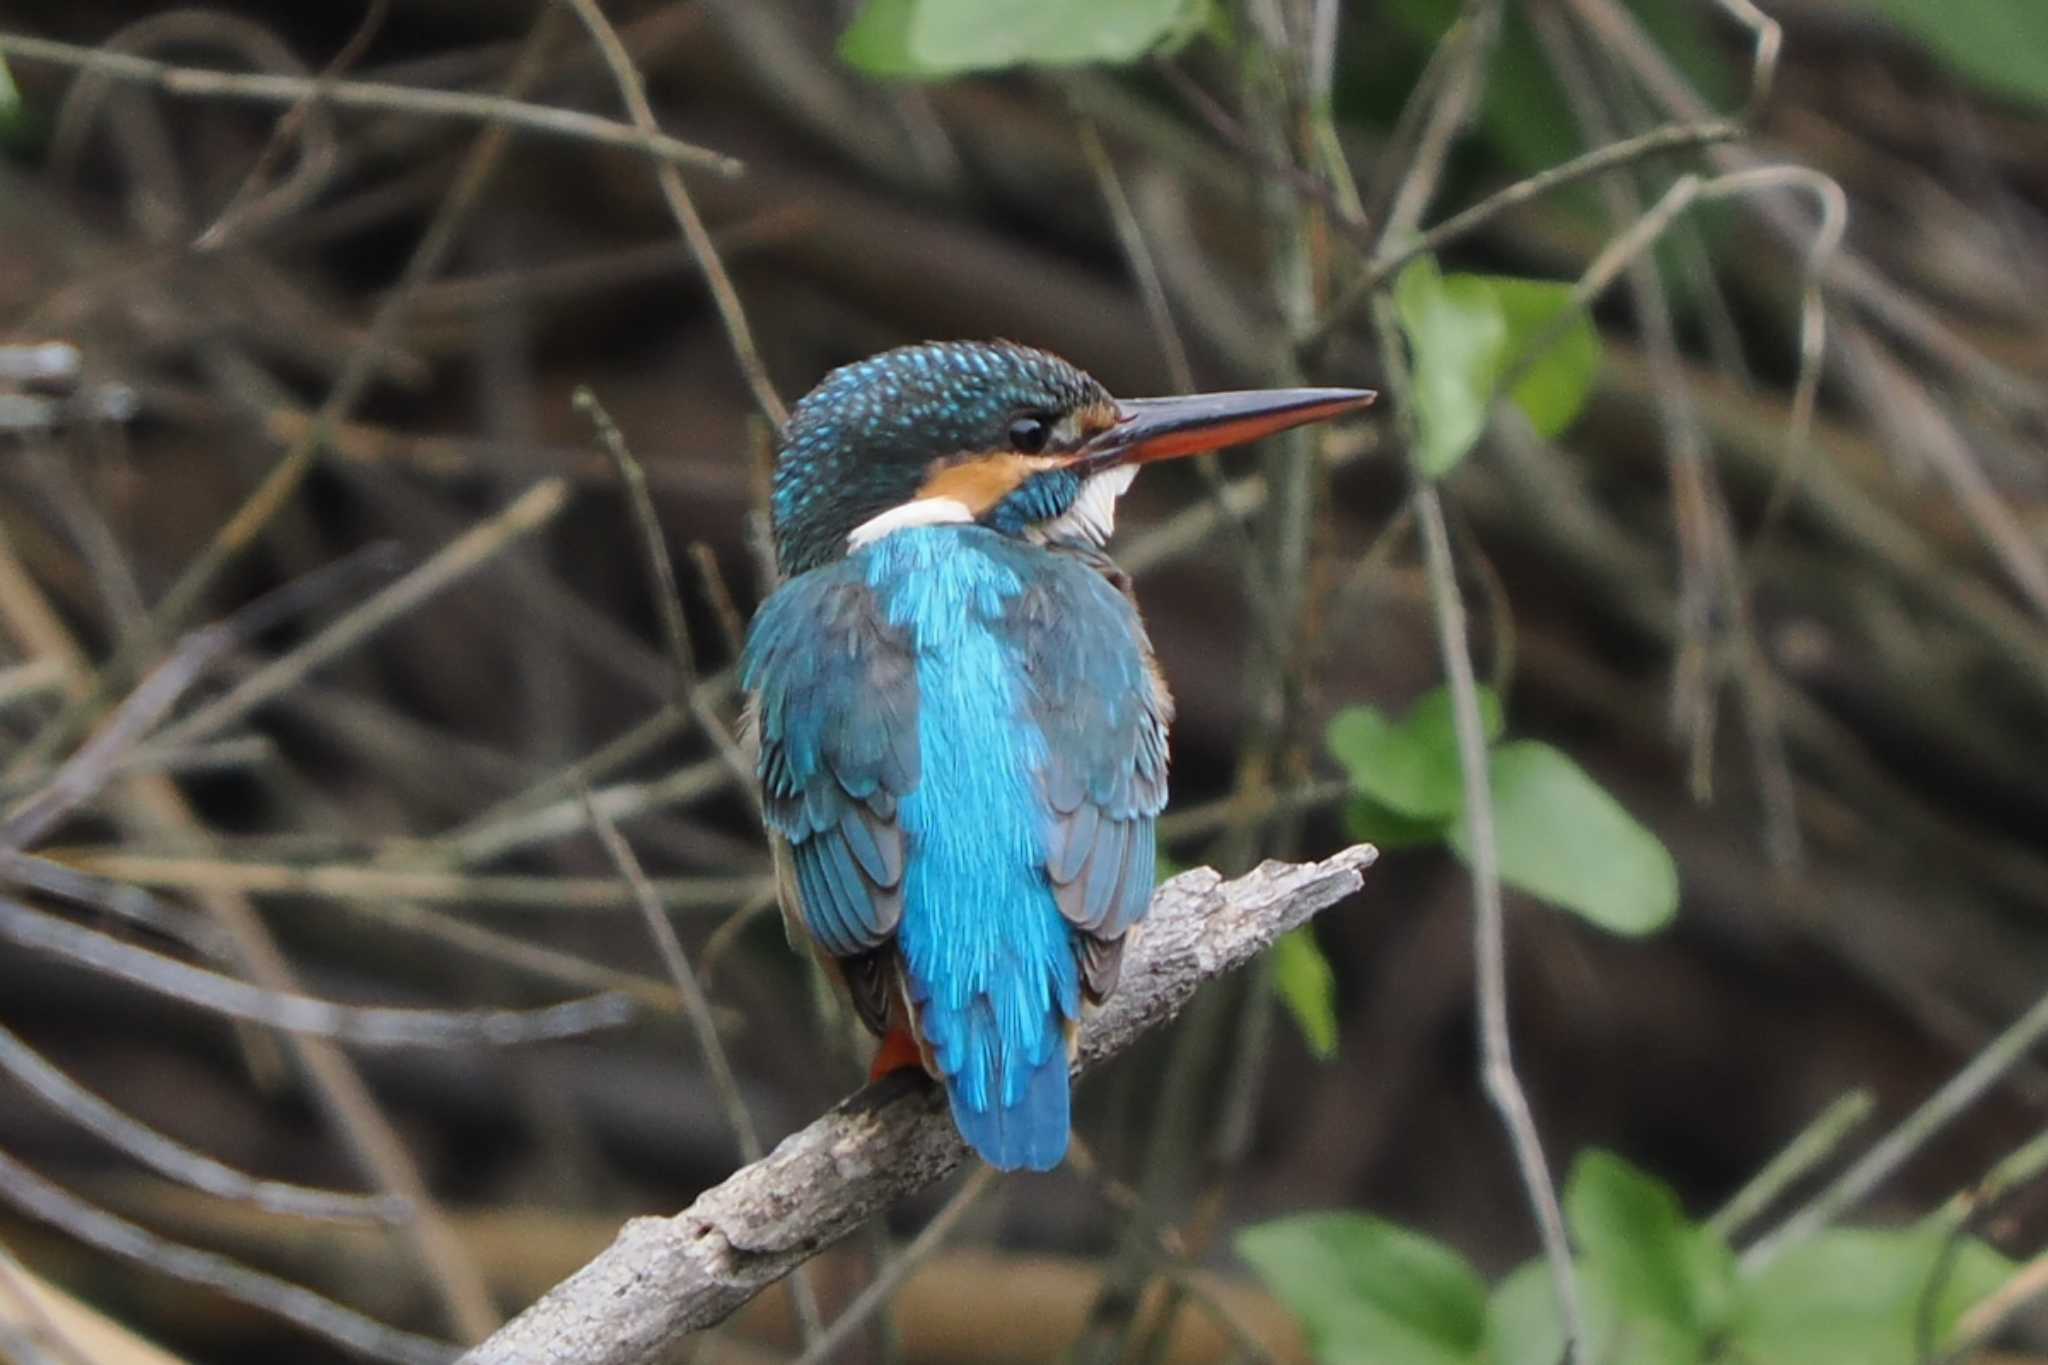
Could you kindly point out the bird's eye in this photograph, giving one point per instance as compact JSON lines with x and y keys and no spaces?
{"x":1028,"y":435}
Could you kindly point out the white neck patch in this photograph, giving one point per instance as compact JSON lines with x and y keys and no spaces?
{"x":1091,"y":519}
{"x":916,"y":512}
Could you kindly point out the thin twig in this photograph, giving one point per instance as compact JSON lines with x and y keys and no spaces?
{"x":1624,"y":248}
{"x":454,"y":303}
{"x":47,"y":877}
{"x":725,"y":609}
{"x":1966,"y":1207}
{"x":1143,"y":269}
{"x":695,"y":1004}
{"x":24,"y":681}
{"x":661,"y":574}
{"x":1714,"y":616}
{"x":86,"y":771}
{"x":1827,"y":241}
{"x":679,"y":203}
{"x":1241,"y":140}
{"x":37,"y":1198}
{"x":482,"y":829}
{"x":18,"y":1347}
{"x":34,"y":1315}
{"x":1496,"y":1046}
{"x":1915,"y":1131}
{"x":367,"y":1026}
{"x":522,"y":954}
{"x":720,"y":941}
{"x":1990,"y":1315}
{"x":2016,"y":1168}
{"x":1816,"y":1143}
{"x":1497,"y":1068}
{"x":1476,"y":30}
{"x":201,"y":83}
{"x":173,"y":1159}
{"x":687,"y":785}
{"x":55,"y":477}
{"x":878,"y":1291}
{"x":1198,"y":1289}
{"x":1462,"y":224}
{"x":341,"y":880}
{"x":95,"y":763}
{"x":460,"y":557}
{"x":698,"y":1006}
{"x":1614,"y":156}
{"x":1193,"y":822}
{"x":705,"y":1024}
{"x":251,"y":204}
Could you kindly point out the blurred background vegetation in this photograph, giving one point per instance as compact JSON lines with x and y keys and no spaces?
{"x":1748,"y":517}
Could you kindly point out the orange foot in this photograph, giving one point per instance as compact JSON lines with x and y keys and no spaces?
{"x":898,"y":1052}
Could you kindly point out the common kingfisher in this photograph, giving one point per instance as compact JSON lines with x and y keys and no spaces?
{"x":961,"y":729}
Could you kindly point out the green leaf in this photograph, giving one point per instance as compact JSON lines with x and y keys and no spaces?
{"x":1466,"y":333}
{"x":1523,"y":1327}
{"x":1307,"y":986}
{"x":1522,"y":1321}
{"x":1853,"y":1296}
{"x":1522,"y":1318}
{"x":1369,"y":1292}
{"x":878,"y":40}
{"x":1563,"y":839}
{"x":1397,"y":769}
{"x":1457,"y":337}
{"x":1371,"y":823}
{"x":928,"y":39}
{"x":1411,"y":767}
{"x":2002,"y":45}
{"x":21,"y":129}
{"x":1656,"y":1289}
{"x":1633,"y":1234}
{"x":1554,"y":388}
{"x":1433,"y":719}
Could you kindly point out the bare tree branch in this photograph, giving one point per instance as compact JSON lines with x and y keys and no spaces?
{"x":264,"y":88}
{"x":363,"y":1025}
{"x":666,"y":1277}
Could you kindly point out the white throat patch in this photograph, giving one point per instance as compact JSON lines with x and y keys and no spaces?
{"x":1092,"y":518}
{"x":916,"y":512}
{"x":1089,"y":520}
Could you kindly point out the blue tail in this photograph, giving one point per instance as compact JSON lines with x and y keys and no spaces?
{"x":989,"y":959}
{"x":1013,"y":1112}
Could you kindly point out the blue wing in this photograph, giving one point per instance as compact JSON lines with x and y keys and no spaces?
{"x":836,"y":707}
{"x":1103,"y":711}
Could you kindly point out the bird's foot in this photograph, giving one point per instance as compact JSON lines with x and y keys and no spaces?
{"x":898,"y":1052}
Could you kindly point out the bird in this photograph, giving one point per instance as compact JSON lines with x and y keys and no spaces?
{"x":959,"y":729}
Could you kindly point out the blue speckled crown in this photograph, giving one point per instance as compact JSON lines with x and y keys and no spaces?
{"x":863,"y":440}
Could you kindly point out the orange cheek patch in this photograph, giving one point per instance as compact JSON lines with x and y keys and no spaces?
{"x":979,"y":482}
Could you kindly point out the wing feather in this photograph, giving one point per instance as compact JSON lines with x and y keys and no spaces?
{"x":835,"y":708}
{"x":1103,"y":711}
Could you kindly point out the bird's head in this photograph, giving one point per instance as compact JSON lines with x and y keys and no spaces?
{"x":992,"y":433}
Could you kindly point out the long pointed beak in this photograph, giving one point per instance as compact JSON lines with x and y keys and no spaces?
{"x":1150,"y":429}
